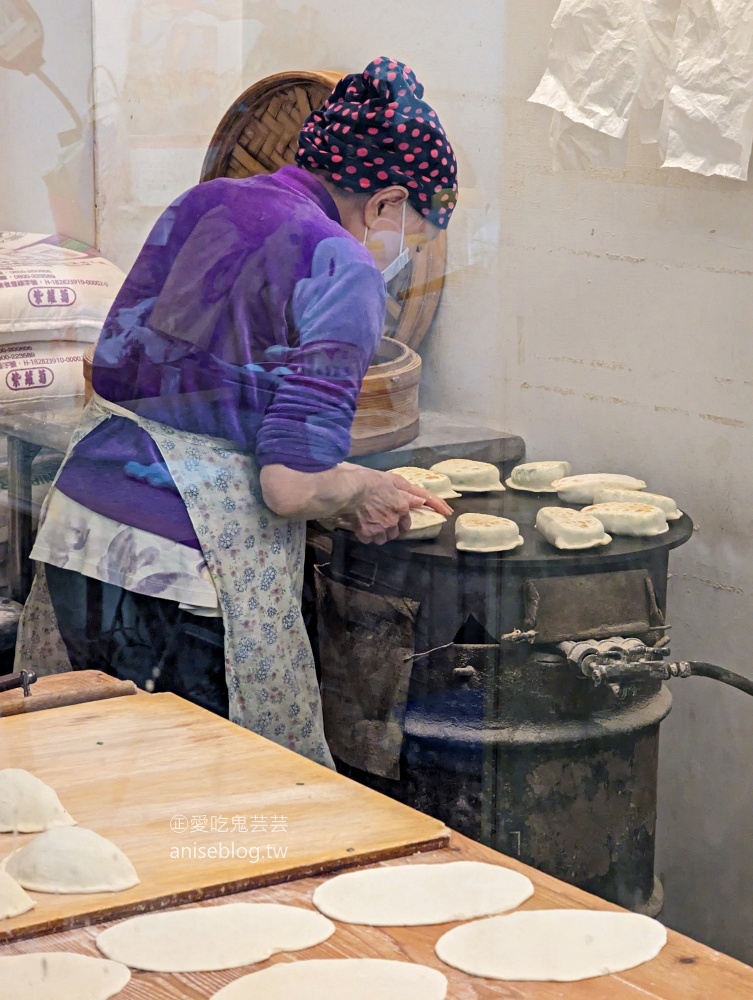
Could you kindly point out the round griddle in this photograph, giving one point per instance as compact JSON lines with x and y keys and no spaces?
{"x":523,"y":508}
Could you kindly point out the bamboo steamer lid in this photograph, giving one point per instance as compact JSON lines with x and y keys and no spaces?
{"x":259,"y":134}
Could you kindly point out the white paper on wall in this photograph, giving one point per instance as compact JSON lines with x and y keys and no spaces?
{"x":683,"y":68}
{"x":577,"y":146}
{"x":647,"y":121}
{"x":707,"y":124}
{"x":593,"y":72}
{"x":657,"y":19}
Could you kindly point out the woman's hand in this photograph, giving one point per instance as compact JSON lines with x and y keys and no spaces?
{"x":384,"y":511}
{"x":374,"y":505}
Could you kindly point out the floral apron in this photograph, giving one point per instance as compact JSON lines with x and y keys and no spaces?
{"x":255,"y":559}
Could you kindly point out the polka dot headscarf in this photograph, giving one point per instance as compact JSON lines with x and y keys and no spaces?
{"x":375,"y":130}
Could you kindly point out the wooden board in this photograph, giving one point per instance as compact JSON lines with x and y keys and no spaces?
{"x":174,"y":786}
{"x":71,"y":688}
{"x":685,"y":970}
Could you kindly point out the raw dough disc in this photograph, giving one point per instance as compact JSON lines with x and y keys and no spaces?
{"x":410,"y":895}
{"x":60,"y":975}
{"x":339,"y":979}
{"x":208,"y":938}
{"x":13,"y":900}
{"x":28,"y":805}
{"x":71,"y":859}
{"x":552,"y":945}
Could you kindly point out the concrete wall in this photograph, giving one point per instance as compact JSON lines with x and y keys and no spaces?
{"x":626,"y":317}
{"x":604,"y":315}
{"x":46,"y":163}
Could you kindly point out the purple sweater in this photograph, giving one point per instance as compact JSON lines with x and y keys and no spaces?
{"x":250,"y":314}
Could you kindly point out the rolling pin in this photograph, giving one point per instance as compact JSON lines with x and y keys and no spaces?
{"x":71,"y":688}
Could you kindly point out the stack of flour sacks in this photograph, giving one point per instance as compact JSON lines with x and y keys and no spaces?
{"x":55,"y":294}
{"x":615,"y":503}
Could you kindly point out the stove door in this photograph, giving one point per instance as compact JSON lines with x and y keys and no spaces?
{"x":593,"y":606}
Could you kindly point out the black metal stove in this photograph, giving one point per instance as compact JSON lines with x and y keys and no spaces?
{"x":451,"y":682}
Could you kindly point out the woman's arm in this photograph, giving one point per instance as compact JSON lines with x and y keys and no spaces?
{"x":376,"y":504}
{"x":337,"y":315}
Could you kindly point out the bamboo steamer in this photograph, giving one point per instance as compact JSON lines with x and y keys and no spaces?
{"x":387,"y":413}
{"x":259,"y":134}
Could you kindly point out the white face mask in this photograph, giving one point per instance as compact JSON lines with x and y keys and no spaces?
{"x":403,"y":257}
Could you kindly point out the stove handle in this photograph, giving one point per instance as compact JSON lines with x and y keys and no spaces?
{"x":655,"y":613}
{"x":464,"y":674}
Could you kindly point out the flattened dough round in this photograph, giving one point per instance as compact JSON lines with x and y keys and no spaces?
{"x":13,"y":900}
{"x":410,"y":895}
{"x":28,"y":805}
{"x":71,"y":859}
{"x":60,"y":975}
{"x":552,"y":945}
{"x":339,"y":979}
{"x":208,"y":938}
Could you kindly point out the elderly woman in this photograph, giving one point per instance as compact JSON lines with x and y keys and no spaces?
{"x":226,"y":379}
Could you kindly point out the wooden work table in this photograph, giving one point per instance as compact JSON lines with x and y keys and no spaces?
{"x":684,"y":970}
{"x":126,"y":765}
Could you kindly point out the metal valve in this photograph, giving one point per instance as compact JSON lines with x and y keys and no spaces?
{"x":617,"y":661}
